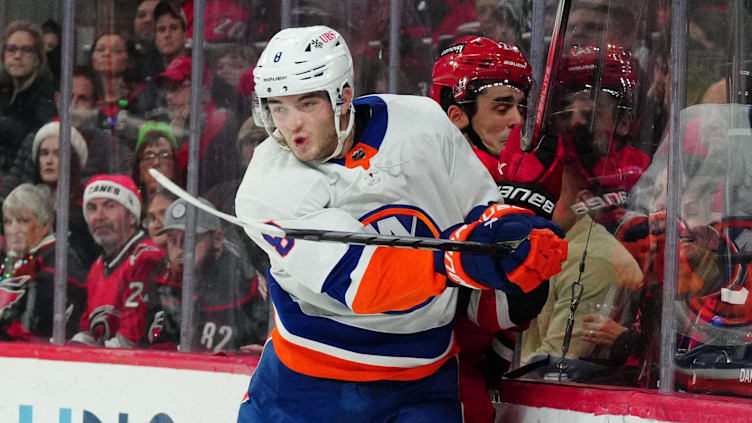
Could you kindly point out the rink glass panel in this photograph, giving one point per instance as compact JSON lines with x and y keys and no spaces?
{"x":625,"y":206}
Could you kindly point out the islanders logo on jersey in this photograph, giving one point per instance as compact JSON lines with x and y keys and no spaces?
{"x":400,"y":220}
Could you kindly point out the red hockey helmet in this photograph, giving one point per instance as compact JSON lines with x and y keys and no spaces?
{"x":578,"y":68}
{"x":473,"y":58}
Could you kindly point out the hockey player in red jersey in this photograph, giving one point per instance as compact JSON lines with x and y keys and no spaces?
{"x":116,"y":309}
{"x":482,"y":85}
{"x":366,"y":333}
{"x":597,"y":126}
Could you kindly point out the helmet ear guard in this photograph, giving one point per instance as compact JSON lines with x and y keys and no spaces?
{"x":300,"y":61}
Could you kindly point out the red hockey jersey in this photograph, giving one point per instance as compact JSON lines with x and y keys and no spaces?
{"x":116,"y":309}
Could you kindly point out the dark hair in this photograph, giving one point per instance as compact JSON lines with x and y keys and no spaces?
{"x":240,"y":51}
{"x":165,"y":7}
{"x":36,"y":33}
{"x":152,"y":138}
{"x":86,"y":72}
{"x":447,"y":100}
{"x":131,"y":75}
{"x":76,"y":184}
{"x":50,"y":26}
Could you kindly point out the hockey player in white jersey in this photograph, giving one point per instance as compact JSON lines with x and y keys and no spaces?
{"x":365,"y":333}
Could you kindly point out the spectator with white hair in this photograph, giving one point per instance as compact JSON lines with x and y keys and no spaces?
{"x":27,"y":272}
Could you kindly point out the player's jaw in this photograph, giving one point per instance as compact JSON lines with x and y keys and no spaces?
{"x":306,"y":121}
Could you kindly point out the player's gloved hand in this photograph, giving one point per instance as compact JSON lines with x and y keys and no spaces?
{"x":539,"y":250}
{"x":531,"y":180}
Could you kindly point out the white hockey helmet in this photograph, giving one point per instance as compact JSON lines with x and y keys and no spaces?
{"x":299,"y":61}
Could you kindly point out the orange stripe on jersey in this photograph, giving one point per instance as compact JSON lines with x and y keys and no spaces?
{"x":397,"y":279}
{"x":317,"y":364}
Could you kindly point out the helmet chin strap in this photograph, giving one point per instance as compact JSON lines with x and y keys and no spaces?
{"x":342,"y":135}
{"x":474,"y":138}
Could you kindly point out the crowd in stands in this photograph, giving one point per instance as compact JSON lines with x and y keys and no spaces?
{"x":130,"y":105}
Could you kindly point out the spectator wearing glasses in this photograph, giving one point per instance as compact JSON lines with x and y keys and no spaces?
{"x":27,"y":93}
{"x":155,"y":148}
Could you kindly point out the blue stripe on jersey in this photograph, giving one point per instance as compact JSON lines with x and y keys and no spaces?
{"x":429,"y":343}
{"x":338,"y":281}
{"x":374,"y":133}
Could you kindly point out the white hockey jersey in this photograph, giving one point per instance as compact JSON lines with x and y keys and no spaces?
{"x":366,"y":313}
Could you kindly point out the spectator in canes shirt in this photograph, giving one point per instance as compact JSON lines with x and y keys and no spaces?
{"x":116,"y":285}
{"x":217,"y":161}
{"x":27,"y":92}
{"x":231,"y":297}
{"x":27,"y":272}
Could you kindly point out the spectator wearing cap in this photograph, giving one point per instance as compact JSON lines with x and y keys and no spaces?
{"x":231,"y":306}
{"x":217,"y":161}
{"x":170,"y":26}
{"x":27,"y":93}
{"x":228,"y":65}
{"x":27,"y":271}
{"x":116,"y":284}
{"x":156,"y":148}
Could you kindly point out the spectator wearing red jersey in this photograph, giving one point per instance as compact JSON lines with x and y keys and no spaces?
{"x":116,"y":305}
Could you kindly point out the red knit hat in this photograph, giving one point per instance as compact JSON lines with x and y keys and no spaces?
{"x":120,"y":188}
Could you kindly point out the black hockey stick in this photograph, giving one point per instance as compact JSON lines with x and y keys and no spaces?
{"x":357,"y":238}
{"x":552,"y":64}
